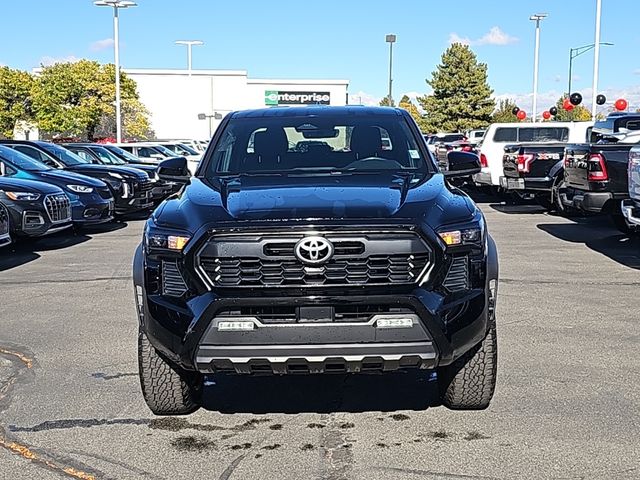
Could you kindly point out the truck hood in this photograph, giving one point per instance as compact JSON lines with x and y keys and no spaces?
{"x":415,"y":198}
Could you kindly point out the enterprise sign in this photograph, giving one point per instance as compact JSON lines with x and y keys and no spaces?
{"x":274,"y":97}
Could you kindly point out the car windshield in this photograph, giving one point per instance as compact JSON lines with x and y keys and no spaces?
{"x":106,"y":156}
{"x":323,"y":143}
{"x":122,"y":153}
{"x":449,"y":138}
{"x":67,"y":157}
{"x":21,"y":161}
{"x":186,"y":149}
{"x":164,"y":150}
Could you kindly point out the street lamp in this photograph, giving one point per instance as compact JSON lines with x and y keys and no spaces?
{"x":596,"y":61}
{"x":576,"y":52}
{"x":204,"y":116}
{"x":536,"y":18}
{"x":116,"y":5}
{"x":390,"y":39}
{"x":189,"y":44}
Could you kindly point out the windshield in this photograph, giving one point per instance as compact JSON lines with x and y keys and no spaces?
{"x":316,"y":144}
{"x":186,"y":149}
{"x":107,"y":157}
{"x":164,"y":150}
{"x":122,"y":153}
{"x":449,"y":138}
{"x":21,"y":161}
{"x":65,"y":156}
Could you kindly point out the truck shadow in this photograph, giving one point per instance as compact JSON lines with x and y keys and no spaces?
{"x":599,"y":236}
{"x":26,"y":250}
{"x":321,"y":393}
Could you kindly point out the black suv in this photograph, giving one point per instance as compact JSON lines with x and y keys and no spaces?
{"x":343,"y":256}
{"x":130,"y":188}
{"x":34,"y":208}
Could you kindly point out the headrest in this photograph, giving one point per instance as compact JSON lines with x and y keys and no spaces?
{"x":270,"y":142}
{"x":366,"y":141}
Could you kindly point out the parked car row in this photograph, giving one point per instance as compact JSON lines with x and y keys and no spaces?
{"x":569,"y":167}
{"x":46,"y":187}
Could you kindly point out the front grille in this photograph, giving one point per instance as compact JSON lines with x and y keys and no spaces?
{"x":457,"y":278}
{"x":4,"y":222}
{"x":104,"y":193}
{"x":292,"y":314}
{"x":172,"y":282}
{"x":58,"y":208}
{"x":143,"y":186}
{"x":269,"y":260}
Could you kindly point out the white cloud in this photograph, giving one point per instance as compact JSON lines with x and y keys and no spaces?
{"x":102,"y":44}
{"x":636,"y":71}
{"x":363,"y":98}
{"x":47,"y":61}
{"x":495,"y":36}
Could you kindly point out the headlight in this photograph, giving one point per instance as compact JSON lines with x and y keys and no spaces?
{"x":160,"y":239}
{"x":25,"y":196}
{"x":80,"y":188}
{"x":115,"y":175}
{"x":467,"y":234}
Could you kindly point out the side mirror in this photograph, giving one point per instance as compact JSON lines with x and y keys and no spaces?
{"x":174,"y":170}
{"x":462,"y":164}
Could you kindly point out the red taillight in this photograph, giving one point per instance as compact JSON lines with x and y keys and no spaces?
{"x":524,"y":163}
{"x":597,"y":169}
{"x":483,"y":161}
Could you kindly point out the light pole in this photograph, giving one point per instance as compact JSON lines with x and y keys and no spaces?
{"x":390,"y":39}
{"x":204,"y":116}
{"x":576,"y":52}
{"x":536,"y":56}
{"x":189,"y":44}
{"x":116,"y":5}
{"x":596,"y":61}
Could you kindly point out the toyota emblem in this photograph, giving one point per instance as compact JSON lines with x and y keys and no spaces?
{"x":314,"y":250}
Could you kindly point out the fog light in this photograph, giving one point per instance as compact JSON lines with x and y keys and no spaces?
{"x":394,"y":323}
{"x":237,"y":326}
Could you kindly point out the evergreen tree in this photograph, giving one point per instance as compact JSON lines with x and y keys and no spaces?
{"x":504,"y":112}
{"x":385,"y":102}
{"x":461,"y":98}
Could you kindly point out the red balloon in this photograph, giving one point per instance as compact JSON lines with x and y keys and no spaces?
{"x":567,"y":105}
{"x":621,"y":104}
{"x":521,"y":115}
{"x":546,"y":115}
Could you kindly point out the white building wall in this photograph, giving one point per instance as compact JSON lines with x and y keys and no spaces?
{"x":174,"y":98}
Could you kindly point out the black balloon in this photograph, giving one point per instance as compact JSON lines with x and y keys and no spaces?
{"x":575,"y":99}
{"x":553,"y":111}
{"x":601,"y":99}
{"x":515,"y":110}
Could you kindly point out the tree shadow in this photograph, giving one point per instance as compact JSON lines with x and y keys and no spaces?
{"x":597,"y":234}
{"x":325,"y":393}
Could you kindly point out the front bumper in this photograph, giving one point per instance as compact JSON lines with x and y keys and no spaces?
{"x":139,"y":201}
{"x":483,"y":178}
{"x":631,"y":212}
{"x":92,"y":211}
{"x":189,"y":334}
{"x":30,"y":219}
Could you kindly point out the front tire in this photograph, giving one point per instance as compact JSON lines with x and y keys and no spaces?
{"x":469,"y":383}
{"x":167,"y":389}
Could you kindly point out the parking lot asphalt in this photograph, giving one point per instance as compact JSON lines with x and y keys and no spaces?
{"x":567,"y":403}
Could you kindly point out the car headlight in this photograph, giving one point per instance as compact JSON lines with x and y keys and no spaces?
{"x":465,"y":234}
{"x":80,"y":188}
{"x":161,"y":239}
{"x":22,"y":196}
{"x":115,"y":175}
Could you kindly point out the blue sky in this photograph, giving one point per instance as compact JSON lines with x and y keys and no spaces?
{"x":339,"y":39}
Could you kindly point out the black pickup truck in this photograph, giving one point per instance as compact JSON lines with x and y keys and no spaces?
{"x":631,"y":207}
{"x":596,"y":179}
{"x":534,"y":169}
{"x":354,"y":256}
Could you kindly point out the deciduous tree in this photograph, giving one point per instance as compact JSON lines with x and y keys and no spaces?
{"x":15,"y":99}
